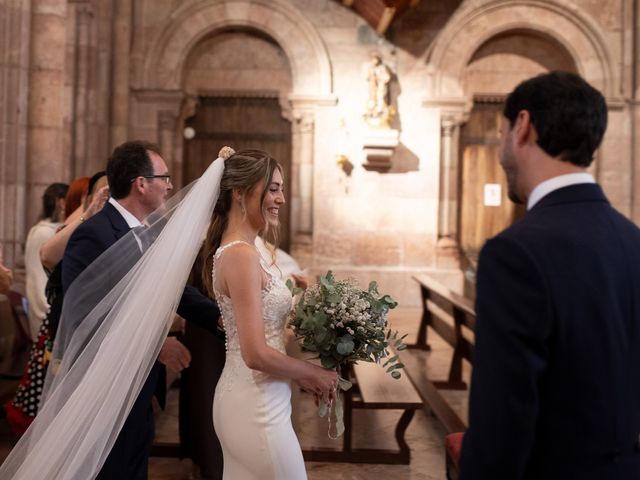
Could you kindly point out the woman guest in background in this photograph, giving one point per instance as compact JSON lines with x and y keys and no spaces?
{"x":97,"y":194}
{"x":53,"y":205}
{"x":22,"y":409}
{"x":76,"y":195}
{"x":252,"y":403}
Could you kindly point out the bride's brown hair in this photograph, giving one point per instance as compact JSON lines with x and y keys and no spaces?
{"x":243,"y":170}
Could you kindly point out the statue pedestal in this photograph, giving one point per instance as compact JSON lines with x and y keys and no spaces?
{"x":378,"y":147}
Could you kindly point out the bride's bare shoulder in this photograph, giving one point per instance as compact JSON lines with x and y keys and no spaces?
{"x":239,"y":254}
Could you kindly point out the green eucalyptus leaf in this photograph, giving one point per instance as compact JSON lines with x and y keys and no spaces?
{"x":328,"y":362}
{"x":344,"y":347}
{"x":391,"y":360}
{"x":327,"y":280}
{"x":334,"y":298}
{"x":395,"y":367}
{"x":395,"y":374}
{"x":344,"y":384}
{"x":390,"y":302}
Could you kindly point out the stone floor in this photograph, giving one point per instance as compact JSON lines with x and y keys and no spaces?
{"x":371,"y":428}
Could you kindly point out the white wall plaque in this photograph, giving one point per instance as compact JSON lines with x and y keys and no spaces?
{"x":492,"y":194}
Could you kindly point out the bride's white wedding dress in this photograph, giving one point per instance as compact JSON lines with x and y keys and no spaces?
{"x":251,"y":409}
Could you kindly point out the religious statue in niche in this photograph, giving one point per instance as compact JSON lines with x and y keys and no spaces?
{"x":379,"y":112}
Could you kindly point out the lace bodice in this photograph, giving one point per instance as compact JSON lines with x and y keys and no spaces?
{"x":276,"y":305}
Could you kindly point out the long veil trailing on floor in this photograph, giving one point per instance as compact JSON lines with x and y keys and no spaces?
{"x":115,"y":318}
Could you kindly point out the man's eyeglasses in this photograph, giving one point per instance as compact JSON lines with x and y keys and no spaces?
{"x":166,"y":178}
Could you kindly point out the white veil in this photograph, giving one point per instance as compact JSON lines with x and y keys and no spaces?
{"x":115,"y":318}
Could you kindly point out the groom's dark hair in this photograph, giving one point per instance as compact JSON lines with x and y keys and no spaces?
{"x":127,"y":162}
{"x":569,"y":115}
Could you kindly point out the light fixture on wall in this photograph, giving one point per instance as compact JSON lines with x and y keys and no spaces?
{"x":189,"y":133}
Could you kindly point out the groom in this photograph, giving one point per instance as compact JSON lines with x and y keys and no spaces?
{"x":139,"y":183}
{"x":555,"y":389}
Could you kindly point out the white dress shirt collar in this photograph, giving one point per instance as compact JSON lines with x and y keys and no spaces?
{"x":545,"y":188}
{"x":126,"y":214}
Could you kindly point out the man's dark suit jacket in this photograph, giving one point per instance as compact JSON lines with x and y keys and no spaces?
{"x":129,"y":456}
{"x":555,"y":390}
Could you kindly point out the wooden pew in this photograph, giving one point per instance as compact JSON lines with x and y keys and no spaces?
{"x":452,"y":317}
{"x":373,"y":388}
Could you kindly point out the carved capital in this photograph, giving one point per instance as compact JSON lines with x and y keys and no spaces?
{"x":84,"y":13}
{"x":166,"y":120}
{"x":303,"y":121}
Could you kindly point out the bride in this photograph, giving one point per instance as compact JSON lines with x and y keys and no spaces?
{"x":252,"y":403}
{"x":117,"y":313}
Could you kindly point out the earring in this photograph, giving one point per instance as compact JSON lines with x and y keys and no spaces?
{"x":242,"y":210}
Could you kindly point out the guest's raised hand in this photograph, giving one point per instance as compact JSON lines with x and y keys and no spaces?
{"x":97,"y":202}
{"x":174,"y":355}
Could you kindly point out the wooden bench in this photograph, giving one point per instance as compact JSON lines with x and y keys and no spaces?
{"x":453,"y":318}
{"x":373,"y":388}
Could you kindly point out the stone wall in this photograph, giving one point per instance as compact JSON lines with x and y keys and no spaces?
{"x":86,"y":75}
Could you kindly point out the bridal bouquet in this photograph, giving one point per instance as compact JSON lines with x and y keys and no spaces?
{"x":344,"y":324}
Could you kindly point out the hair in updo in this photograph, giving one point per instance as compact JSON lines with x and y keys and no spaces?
{"x":243,"y":170}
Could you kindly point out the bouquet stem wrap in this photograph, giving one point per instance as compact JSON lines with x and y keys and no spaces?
{"x":337,"y":407}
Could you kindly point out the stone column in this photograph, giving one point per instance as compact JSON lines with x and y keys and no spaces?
{"x":82,"y":64}
{"x":46,"y":162}
{"x":15,"y":21}
{"x":302,"y":173}
{"x":121,"y":54}
{"x":166,"y":136}
{"x":449,"y":179}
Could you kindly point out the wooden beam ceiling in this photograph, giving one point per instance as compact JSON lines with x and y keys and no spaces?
{"x":380,"y":13}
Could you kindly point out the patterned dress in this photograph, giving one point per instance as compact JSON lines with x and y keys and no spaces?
{"x":23,"y":408}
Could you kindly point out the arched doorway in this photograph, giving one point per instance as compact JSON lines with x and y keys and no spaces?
{"x":161,"y":86}
{"x":454,"y":85}
{"x":495,"y":68}
{"x":238,"y":77}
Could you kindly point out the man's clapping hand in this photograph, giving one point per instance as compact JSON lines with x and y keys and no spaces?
{"x":174,"y":355}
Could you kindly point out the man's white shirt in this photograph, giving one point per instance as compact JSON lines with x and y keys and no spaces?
{"x":131,"y":220}
{"x":545,"y":188}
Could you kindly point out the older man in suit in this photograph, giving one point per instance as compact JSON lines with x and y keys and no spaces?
{"x":139,"y":183}
{"x":555,"y":391}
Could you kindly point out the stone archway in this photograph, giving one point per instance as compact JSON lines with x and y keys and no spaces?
{"x":447,"y":62}
{"x":158,"y":82}
{"x":472,"y":27}
{"x":305,"y":49}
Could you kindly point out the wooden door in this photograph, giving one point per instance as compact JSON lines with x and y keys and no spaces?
{"x":241,"y":123}
{"x":480,"y":144}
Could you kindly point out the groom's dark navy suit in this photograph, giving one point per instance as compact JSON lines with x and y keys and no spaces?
{"x":129,"y":456}
{"x":555,"y":390}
